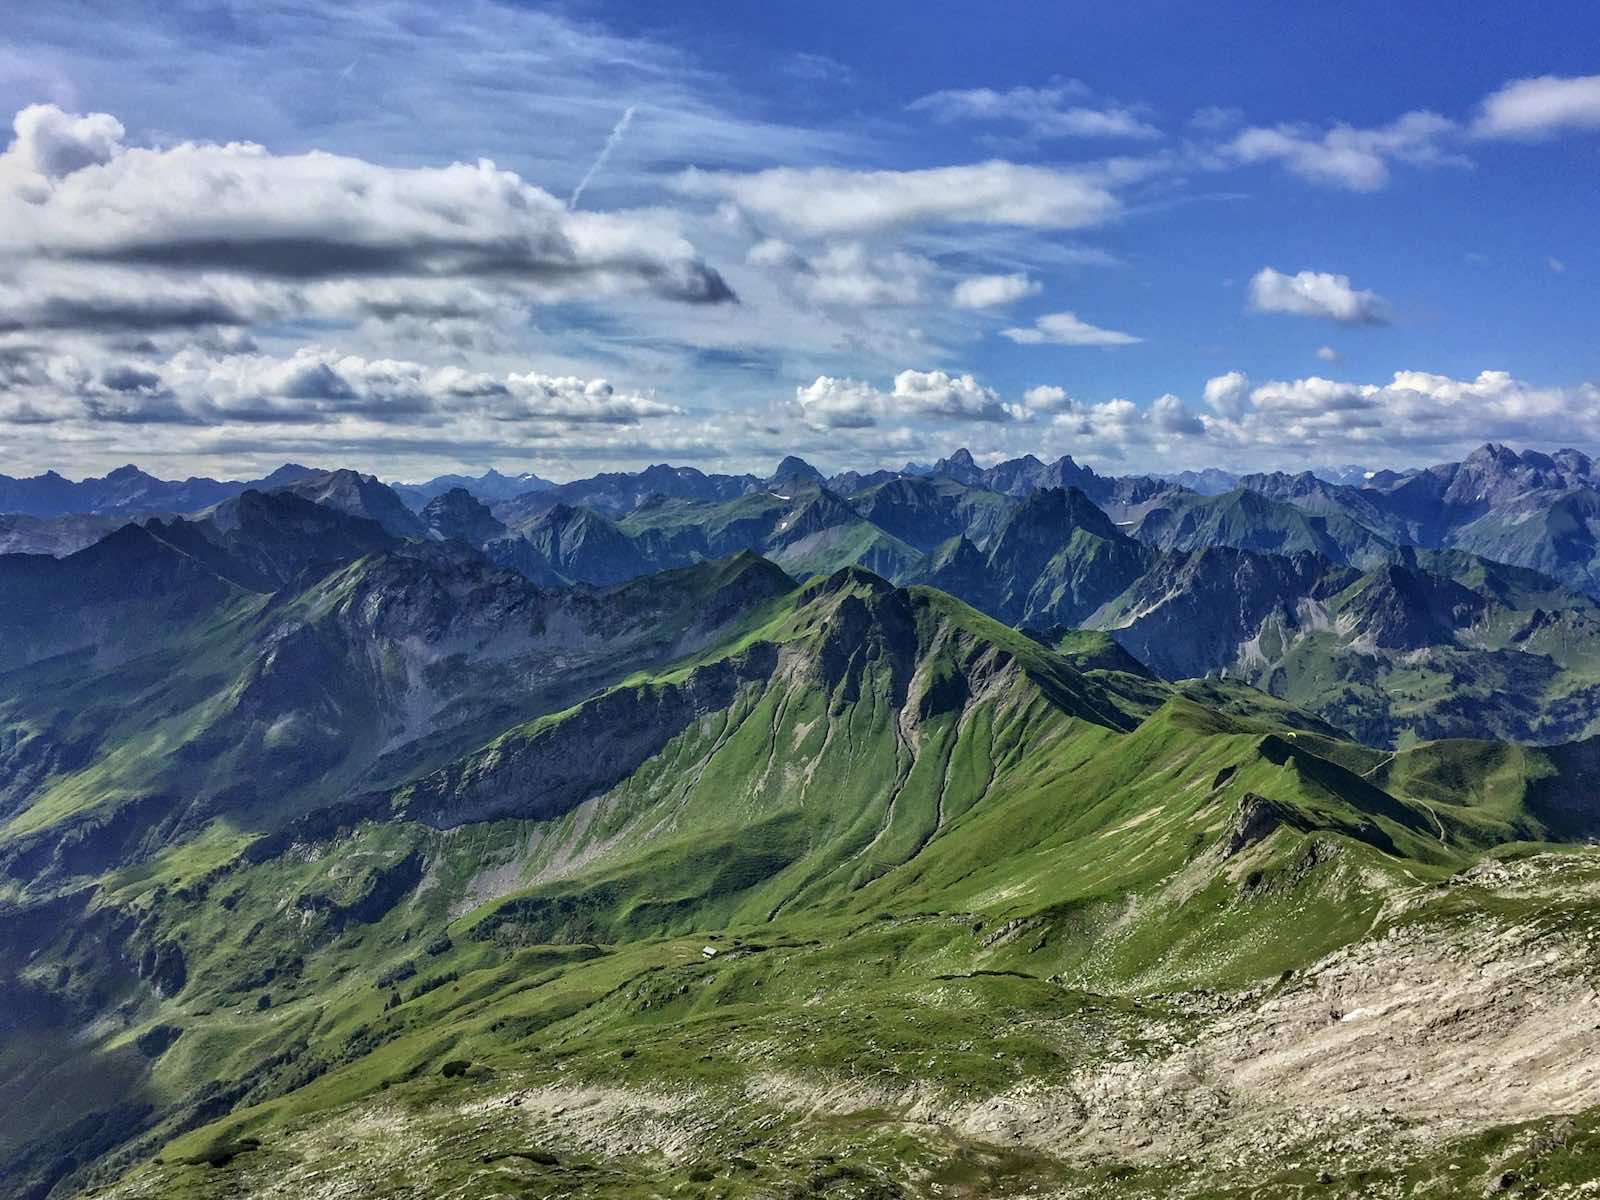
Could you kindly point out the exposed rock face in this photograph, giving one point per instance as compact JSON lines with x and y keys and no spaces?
{"x":580,"y":544}
{"x":618,"y":493}
{"x":1527,"y":509}
{"x":1189,"y":614}
{"x":1253,"y":821}
{"x":381,"y":890}
{"x":920,"y":512}
{"x":264,"y":540}
{"x":164,"y":967}
{"x":460,"y":515}
{"x":360,"y":496}
{"x":157,"y":1040}
{"x":1405,"y":609}
{"x":1054,"y":561}
{"x":546,"y":770}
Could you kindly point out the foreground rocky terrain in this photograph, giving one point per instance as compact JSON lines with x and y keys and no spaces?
{"x":1446,"y":1052}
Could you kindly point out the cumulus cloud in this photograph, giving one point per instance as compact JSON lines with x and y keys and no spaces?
{"x":847,"y":274}
{"x":50,"y":144}
{"x":1067,"y":329}
{"x":1045,"y":112}
{"x":1114,"y":426}
{"x":1315,"y":294}
{"x":1327,"y":354}
{"x":993,"y":291}
{"x":1534,"y":109}
{"x":1417,"y":411}
{"x":96,"y":232}
{"x":1346,"y":156}
{"x":1228,"y":395}
{"x":1046,"y":398}
{"x":840,"y":403}
{"x":938,"y":394}
{"x":831,"y":201}
{"x":916,"y":395}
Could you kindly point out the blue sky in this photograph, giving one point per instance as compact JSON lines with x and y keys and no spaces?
{"x":1149,"y":235}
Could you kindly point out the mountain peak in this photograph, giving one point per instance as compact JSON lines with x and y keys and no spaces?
{"x":1497,"y":453}
{"x":960,"y":466}
{"x":458,"y":514}
{"x":796,"y":468}
{"x":290,"y":472}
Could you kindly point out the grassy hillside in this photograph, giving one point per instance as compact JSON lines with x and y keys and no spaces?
{"x":962,"y":891}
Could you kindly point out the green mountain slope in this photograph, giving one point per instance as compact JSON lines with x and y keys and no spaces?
{"x":943,"y":870}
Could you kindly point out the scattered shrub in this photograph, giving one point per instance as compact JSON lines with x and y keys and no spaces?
{"x":396,"y":974}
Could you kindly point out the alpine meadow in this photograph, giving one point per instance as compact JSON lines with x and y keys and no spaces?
{"x":894,"y":602}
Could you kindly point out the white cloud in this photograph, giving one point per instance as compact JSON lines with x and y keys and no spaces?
{"x":1416,"y":413}
{"x":829,"y":201}
{"x":1556,"y":265}
{"x":212,"y":409}
{"x":839,"y":403}
{"x":1111,"y":427}
{"x":98,"y":233}
{"x":849,"y":274}
{"x":1533,"y":109}
{"x":1044,"y":111}
{"x":936,"y":393}
{"x":313,"y":386}
{"x":1067,"y":329}
{"x":1327,"y":354}
{"x":50,"y":144}
{"x":1345,"y":156}
{"x":916,"y":395}
{"x":1046,"y":398}
{"x":993,"y":291}
{"x":1228,"y":394}
{"x":1315,"y":294}
{"x":1169,"y":415}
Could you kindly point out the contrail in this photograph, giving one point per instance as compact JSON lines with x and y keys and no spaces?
{"x":617,"y":131}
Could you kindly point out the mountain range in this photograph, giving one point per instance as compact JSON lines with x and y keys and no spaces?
{"x":951,"y":831}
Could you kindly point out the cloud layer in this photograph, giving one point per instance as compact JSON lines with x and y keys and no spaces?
{"x":99,"y":234}
{"x":829,"y":403}
{"x":1416,"y":411}
{"x":825,"y":201}
{"x":1051,"y":112}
